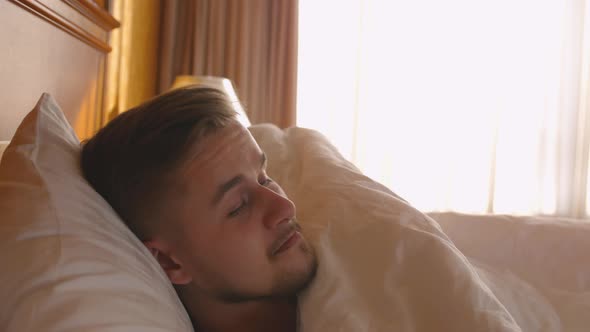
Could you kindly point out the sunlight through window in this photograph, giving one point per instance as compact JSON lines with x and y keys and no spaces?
{"x":456,"y":105}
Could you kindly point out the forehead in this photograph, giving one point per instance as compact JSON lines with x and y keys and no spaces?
{"x":225,"y":150}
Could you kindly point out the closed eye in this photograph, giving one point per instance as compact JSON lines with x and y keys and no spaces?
{"x":237,"y":210}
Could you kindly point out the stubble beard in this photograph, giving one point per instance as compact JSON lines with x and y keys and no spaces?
{"x":287,"y":285}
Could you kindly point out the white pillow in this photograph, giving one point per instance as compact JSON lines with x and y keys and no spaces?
{"x":68,"y":261}
{"x":383,"y":265}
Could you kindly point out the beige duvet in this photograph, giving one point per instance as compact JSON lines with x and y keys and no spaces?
{"x":385,"y":266}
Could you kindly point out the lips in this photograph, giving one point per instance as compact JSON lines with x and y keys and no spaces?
{"x":289,"y":242}
{"x":286,"y":240}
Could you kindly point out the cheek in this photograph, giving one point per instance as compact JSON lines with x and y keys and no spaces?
{"x":234,"y":246}
{"x":238,"y":260}
{"x":244,"y":241}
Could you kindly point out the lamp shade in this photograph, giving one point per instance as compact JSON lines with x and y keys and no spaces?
{"x":219,"y":83}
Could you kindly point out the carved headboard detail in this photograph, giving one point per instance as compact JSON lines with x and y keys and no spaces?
{"x":54,"y":46}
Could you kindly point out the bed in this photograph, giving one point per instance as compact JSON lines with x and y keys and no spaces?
{"x":385,"y":266}
{"x":69,"y":263}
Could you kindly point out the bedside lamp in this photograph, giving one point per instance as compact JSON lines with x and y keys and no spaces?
{"x":219,"y":83}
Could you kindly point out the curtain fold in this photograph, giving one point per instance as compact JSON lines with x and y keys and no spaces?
{"x":253,"y":43}
{"x":132,"y":65}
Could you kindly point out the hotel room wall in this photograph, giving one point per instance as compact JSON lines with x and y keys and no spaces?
{"x":24,"y":75}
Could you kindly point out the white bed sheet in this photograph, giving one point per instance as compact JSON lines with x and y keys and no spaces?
{"x":550,"y":255}
{"x":385,"y":266}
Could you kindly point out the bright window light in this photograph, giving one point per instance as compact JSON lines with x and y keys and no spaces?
{"x":454,"y":105}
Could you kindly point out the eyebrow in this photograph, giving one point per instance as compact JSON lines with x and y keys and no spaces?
{"x":227,"y":186}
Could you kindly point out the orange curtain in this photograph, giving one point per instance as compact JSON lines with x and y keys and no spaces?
{"x":251,"y":42}
{"x":133,"y":63}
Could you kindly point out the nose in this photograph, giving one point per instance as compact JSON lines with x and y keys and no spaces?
{"x":277,"y":208}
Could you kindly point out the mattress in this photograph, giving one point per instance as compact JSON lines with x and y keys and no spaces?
{"x":529,"y":262}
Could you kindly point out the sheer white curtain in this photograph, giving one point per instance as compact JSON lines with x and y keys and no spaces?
{"x":465,"y":105}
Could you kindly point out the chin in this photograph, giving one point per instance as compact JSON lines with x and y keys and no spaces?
{"x":297,"y":270}
{"x":292,"y":272}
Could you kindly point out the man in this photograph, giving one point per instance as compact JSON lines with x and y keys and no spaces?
{"x":190,"y":182}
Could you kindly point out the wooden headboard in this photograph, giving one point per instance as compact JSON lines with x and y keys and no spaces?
{"x":54,"y":46}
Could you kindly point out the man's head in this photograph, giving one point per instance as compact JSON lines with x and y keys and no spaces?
{"x":190,"y":182}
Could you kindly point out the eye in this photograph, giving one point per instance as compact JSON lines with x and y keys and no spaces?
{"x":237,"y":210}
{"x":243,"y":204}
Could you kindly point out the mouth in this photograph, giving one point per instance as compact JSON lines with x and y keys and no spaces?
{"x":287,"y":241}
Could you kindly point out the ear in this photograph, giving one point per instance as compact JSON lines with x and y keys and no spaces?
{"x":173,"y":268}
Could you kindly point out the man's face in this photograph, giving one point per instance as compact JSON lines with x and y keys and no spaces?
{"x":234,"y":230}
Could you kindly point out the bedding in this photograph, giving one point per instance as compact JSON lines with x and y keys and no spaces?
{"x":68,"y":261}
{"x":549,"y":254}
{"x":384,"y":266}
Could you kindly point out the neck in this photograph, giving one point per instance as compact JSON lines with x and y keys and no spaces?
{"x":210,"y":314}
